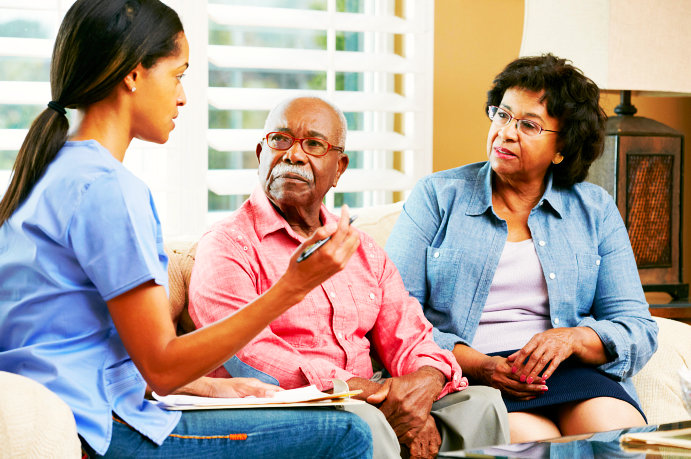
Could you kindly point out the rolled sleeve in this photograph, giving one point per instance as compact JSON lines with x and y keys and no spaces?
{"x":403,"y":337}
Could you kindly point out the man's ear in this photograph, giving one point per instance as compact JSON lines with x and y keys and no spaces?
{"x":343,"y":162}
{"x":259,"y":150}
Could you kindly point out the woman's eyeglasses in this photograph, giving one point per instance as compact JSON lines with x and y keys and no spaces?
{"x":310,"y":145}
{"x":501,"y":118}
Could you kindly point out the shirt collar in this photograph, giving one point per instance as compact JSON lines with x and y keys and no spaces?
{"x":267,"y":220}
{"x":482,"y":193}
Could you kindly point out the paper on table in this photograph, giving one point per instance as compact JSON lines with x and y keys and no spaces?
{"x":679,"y":438}
{"x":292,"y":397}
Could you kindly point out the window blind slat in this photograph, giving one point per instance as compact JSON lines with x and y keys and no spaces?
{"x":11,"y":139}
{"x":308,"y":59}
{"x":34,"y":4}
{"x":293,"y":18}
{"x":24,"y":92}
{"x":26,"y":47}
{"x":348,"y":101}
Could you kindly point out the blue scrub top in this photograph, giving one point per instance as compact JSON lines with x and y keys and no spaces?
{"x":87,"y":233}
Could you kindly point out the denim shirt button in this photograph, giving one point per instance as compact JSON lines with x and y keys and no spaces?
{"x":597,"y":262}
{"x":552,"y":275}
{"x":556,"y":321}
{"x":542,"y":243}
{"x":436,"y":255}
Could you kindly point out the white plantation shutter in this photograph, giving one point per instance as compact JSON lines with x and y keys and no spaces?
{"x":372,"y":58}
{"x":27,"y":32}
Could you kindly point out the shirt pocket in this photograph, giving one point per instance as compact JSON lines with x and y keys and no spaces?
{"x":443,"y":268}
{"x":302,"y":324}
{"x":367,"y":300}
{"x":588,"y":265}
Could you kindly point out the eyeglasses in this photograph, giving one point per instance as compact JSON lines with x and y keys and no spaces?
{"x":310,"y":145}
{"x":501,"y":118}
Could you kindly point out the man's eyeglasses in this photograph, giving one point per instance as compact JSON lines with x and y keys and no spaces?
{"x":310,"y":145}
{"x":501,"y":118}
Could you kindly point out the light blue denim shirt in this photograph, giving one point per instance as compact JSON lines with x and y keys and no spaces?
{"x":448,"y":241}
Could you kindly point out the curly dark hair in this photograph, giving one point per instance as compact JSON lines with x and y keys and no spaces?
{"x":570,"y":97}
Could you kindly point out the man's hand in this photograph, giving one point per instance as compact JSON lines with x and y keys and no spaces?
{"x":406,"y":401}
{"x":427,"y":442}
{"x":368,"y":387}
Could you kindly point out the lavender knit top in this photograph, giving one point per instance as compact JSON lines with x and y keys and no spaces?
{"x":517,"y":306}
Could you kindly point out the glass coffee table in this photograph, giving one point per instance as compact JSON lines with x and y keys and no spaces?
{"x":597,"y":445}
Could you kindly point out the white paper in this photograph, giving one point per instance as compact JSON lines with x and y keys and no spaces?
{"x":300,"y":395}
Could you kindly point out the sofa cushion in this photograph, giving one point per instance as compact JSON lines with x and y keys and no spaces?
{"x":34,"y":422}
{"x":378,"y":221}
{"x":658,"y":384}
{"x":180,"y":262}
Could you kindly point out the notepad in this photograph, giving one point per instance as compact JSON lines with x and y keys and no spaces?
{"x":301,"y":397}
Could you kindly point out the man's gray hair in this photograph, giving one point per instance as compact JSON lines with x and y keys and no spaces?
{"x":343,"y":128}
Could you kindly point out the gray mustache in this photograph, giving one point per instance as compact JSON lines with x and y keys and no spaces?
{"x":283,"y":168}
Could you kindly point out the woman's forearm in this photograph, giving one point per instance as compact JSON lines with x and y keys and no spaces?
{"x":167,"y":361}
{"x":588,"y":346}
{"x":470,"y":360}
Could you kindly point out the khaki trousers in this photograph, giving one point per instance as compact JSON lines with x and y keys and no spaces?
{"x":472,"y":418}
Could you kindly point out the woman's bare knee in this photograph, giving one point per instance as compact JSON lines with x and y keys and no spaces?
{"x":598,"y":415}
{"x":526,"y":427}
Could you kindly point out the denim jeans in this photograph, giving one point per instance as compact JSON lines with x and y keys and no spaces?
{"x":254,"y":433}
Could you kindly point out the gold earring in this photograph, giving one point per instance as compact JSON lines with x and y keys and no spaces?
{"x":133,"y":89}
{"x":557,"y":159}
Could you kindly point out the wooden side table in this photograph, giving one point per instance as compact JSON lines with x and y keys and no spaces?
{"x":662,"y":306}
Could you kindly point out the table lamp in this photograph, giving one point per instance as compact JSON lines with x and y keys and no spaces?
{"x":644,"y":47}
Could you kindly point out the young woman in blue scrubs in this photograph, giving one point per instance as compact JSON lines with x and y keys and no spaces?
{"x":83,"y":281}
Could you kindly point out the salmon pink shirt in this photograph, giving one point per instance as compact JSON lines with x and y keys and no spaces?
{"x":330,"y":334}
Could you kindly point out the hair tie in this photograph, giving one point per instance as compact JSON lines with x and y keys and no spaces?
{"x":57,"y":107}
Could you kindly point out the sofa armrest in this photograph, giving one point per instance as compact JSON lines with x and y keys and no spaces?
{"x":180,"y":262}
{"x":34,"y":422}
{"x":658,"y":383}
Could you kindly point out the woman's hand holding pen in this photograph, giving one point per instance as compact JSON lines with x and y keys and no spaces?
{"x":329,"y":259}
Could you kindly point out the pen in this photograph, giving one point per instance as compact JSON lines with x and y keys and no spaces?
{"x":313,"y":248}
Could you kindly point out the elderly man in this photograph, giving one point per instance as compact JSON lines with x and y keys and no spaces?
{"x":363,"y":310}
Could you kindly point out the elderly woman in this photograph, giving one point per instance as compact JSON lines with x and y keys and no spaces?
{"x":525,"y":270}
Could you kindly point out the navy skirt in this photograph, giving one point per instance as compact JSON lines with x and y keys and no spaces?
{"x":571,"y":382}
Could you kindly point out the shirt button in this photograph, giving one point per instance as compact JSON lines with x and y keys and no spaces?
{"x":340,"y":335}
{"x":542,"y":243}
{"x":552,"y":275}
{"x":244,"y":248}
{"x":556,"y":321}
{"x":333,"y":294}
{"x":436,"y":255}
{"x":597,"y":262}
{"x":371,"y":245}
{"x":540,"y":203}
{"x":371,"y":296}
